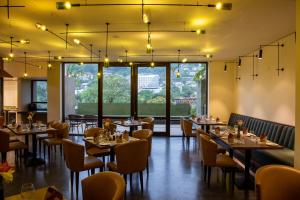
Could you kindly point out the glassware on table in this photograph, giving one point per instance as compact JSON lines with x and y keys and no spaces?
{"x":236,"y":129}
{"x":27,"y":191}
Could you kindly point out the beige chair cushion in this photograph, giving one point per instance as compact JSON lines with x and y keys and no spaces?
{"x":53,"y":141}
{"x":97,"y":152}
{"x":17,"y":145}
{"x":91,"y":162}
{"x":224,"y":161}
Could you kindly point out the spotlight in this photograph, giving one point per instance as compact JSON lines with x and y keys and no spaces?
{"x":63,"y":5}
{"x":57,"y":57}
{"x":184,"y":60}
{"x":198,"y":31}
{"x":240,"y":62}
{"x":49,"y":65}
{"x":76,"y":41}
{"x":11,"y":55}
{"x":208,"y":56}
{"x":219,"y":5}
{"x":25,"y":74}
{"x":145,"y":18}
{"x":41,"y":26}
{"x":26,"y":41}
{"x":130,"y":63}
{"x":260,"y":54}
{"x":106,"y":59}
{"x":152,"y":64}
{"x":68,"y":5}
{"x":225,"y":68}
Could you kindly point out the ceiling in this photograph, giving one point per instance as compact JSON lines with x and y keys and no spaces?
{"x":229,"y":34}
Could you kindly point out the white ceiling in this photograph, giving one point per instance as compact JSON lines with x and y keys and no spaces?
{"x":229,"y":33}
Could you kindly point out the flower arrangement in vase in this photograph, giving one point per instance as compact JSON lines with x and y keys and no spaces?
{"x":6,"y":175}
{"x":30,"y":119}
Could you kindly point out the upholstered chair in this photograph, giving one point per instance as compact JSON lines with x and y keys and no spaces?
{"x":145,"y":134}
{"x":104,"y":186}
{"x":77,"y":162}
{"x":187,"y":126}
{"x":131,"y":157}
{"x":6,"y":146}
{"x":93,"y":150}
{"x":211,"y":158}
{"x":277,"y":182}
{"x":49,"y":134}
{"x":61,"y":132}
{"x":149,"y":123}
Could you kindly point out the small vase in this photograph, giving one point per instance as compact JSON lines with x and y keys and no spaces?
{"x":1,"y":188}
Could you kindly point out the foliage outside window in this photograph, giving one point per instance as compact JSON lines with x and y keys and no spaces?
{"x":39,"y":94}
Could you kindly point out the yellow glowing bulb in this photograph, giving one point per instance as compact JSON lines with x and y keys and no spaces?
{"x":40,"y":67}
{"x":178,"y":74}
{"x":152,"y":64}
{"x":219,"y":5}
{"x":43,"y":27}
{"x":106,"y":59}
{"x":145,"y":18}
{"x":81,"y":63}
{"x":25,"y":74}
{"x":130,"y":63}
{"x":208,"y":56}
{"x":5,"y":59}
{"x":184,"y":60}
{"x":11,"y":55}
{"x":98,"y":74}
{"x":68,"y":5}
{"x":49,"y":65}
{"x":59,"y":57}
{"x":149,"y":46}
{"x":76,"y":41}
{"x":198,"y":31}
{"x":24,"y":41}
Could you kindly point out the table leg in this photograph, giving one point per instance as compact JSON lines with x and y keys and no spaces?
{"x":34,"y":161}
{"x":131,"y":129}
{"x":112,"y":154}
{"x":247,"y":168}
{"x":207,"y":128}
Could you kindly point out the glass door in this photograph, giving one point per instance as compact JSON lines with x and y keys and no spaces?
{"x":152,"y":95}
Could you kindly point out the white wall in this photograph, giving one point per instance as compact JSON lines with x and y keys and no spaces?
{"x":17,"y":69}
{"x":297,"y":74}
{"x":221,"y":93}
{"x":269,"y":96}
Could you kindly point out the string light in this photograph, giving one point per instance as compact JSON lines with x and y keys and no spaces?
{"x":106,"y":59}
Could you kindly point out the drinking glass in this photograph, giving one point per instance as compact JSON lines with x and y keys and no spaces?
{"x":236,"y":129}
{"x":27,"y":191}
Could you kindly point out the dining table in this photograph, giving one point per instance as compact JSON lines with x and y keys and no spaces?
{"x":38,"y":194}
{"x":131,"y":124}
{"x":207,"y":123}
{"x":33,"y":160}
{"x":108,"y":143}
{"x":246,"y":142}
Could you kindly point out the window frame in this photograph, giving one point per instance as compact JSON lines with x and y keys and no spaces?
{"x":32,"y":94}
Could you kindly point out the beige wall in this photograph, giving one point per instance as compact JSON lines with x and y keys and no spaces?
{"x":10,"y":92}
{"x":297,"y":140}
{"x":54,"y":92}
{"x":221,"y":84}
{"x":17,"y":69}
{"x":269,"y":96}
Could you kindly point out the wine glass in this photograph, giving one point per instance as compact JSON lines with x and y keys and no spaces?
{"x":27,"y":191}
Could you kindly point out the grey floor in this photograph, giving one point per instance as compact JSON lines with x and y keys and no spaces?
{"x":175,"y":173}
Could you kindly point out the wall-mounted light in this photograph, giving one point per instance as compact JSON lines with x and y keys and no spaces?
{"x":260,"y":53}
{"x":240,"y":62}
{"x":225,"y":67}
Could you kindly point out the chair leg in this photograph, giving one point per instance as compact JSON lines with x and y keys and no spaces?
{"x":40,"y":146}
{"x":49,"y":154}
{"x":92,"y":171}
{"x":130,"y":177}
{"x":141,"y":181}
{"x":3,"y":156}
{"x":205,"y":172}
{"x":77,"y":183}
{"x":61,"y":149}
{"x":125,"y":178}
{"x":44,"y":151}
{"x":232,"y":180}
{"x":72,"y":178}
{"x":147,"y":166}
{"x":208,"y":176}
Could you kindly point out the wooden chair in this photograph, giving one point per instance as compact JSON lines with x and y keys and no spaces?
{"x":90,"y":121}
{"x":49,"y":134}
{"x":75,"y":122}
{"x":277,"y":182}
{"x":145,"y":134}
{"x":6,"y":146}
{"x":211,"y":158}
{"x":92,"y":150}
{"x":149,"y":123}
{"x":61,"y":133}
{"x":104,"y":186}
{"x":200,"y":131}
{"x":77,"y":162}
{"x":131,"y":158}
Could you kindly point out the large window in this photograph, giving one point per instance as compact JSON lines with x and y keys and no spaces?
{"x":116,"y":91}
{"x":39,"y":94}
{"x":81,"y":89}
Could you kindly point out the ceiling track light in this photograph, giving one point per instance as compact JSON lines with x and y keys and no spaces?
{"x":198,"y":31}
{"x":8,"y":6}
{"x":170,"y":55}
{"x":178,"y":57}
{"x":11,"y":55}
{"x":25,"y":62}
{"x":43,"y":27}
{"x":152,"y":64}
{"x":237,"y":74}
{"x":106,"y":59}
{"x":279,"y":68}
{"x":225,"y":68}
{"x":49,"y":61}
{"x":217,"y":6}
{"x":240,"y":62}
{"x":253,"y":68}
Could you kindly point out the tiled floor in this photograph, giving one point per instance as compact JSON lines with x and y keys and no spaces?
{"x":175,"y":173}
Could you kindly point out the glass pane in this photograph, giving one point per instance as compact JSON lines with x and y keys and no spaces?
{"x":116,"y":91}
{"x":81,"y":89}
{"x":40,"y":91}
{"x":189,"y":90}
{"x":152,"y":91}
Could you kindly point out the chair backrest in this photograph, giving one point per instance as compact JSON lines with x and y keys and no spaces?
{"x":132,"y":156}
{"x":4,"y":141}
{"x":145,"y":134}
{"x":104,"y":186}
{"x":277,"y":182}
{"x":187,"y":127}
{"x":149,"y":123}
{"x":200,"y":131}
{"x":2,"y":120}
{"x":92,"y":132}
{"x":74,"y":155}
{"x":63,"y":130}
{"x":209,"y":150}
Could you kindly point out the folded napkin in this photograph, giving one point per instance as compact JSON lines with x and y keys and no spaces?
{"x":53,"y":194}
{"x":89,"y":138}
